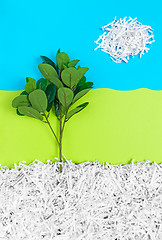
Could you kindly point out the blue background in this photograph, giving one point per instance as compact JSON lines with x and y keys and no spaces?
{"x":31,"y":28}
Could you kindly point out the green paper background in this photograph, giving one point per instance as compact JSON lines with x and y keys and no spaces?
{"x":116,"y":127}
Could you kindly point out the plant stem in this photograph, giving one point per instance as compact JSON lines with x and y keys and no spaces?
{"x":51,"y":128}
{"x":61,"y":133}
{"x":60,"y":144}
{"x":64,"y":120}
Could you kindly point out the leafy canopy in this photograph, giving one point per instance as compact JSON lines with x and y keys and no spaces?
{"x":62,"y":84}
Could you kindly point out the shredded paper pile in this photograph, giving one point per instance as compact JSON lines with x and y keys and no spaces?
{"x":87,"y":201}
{"x":125,"y":38}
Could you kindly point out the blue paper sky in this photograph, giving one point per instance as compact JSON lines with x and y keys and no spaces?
{"x":31,"y":28}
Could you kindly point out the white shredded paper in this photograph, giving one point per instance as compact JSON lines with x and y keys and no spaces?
{"x":125,"y":38}
{"x":87,"y":201}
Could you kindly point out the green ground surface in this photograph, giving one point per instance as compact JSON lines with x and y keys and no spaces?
{"x":116,"y":127}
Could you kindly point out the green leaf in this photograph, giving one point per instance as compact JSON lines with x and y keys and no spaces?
{"x":24,"y":93}
{"x":63,"y":108}
{"x":38,"y":100}
{"x":62,"y":58}
{"x":58,"y":51}
{"x":70,"y":77}
{"x":86,"y":85}
{"x":82,"y":71}
{"x":73,"y":63}
{"x":65,"y":65}
{"x":49,"y":106}
{"x":57,"y":110}
{"x":76,"y":110}
{"x":65,"y":96}
{"x":50,"y":74}
{"x":42,"y":84}
{"x":80,"y":94}
{"x":50,"y":62}
{"x":47,"y":70}
{"x":21,"y":100}
{"x":30,"y":112}
{"x":50,"y":92}
{"x":82,"y":80}
{"x":83,"y":86}
{"x":18,"y":113}
{"x":31,"y":85}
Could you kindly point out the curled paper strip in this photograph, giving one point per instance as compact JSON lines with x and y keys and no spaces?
{"x":85,"y":201}
{"x":125,"y":38}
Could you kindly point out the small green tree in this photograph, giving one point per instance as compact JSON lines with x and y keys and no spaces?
{"x":63,"y":84}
